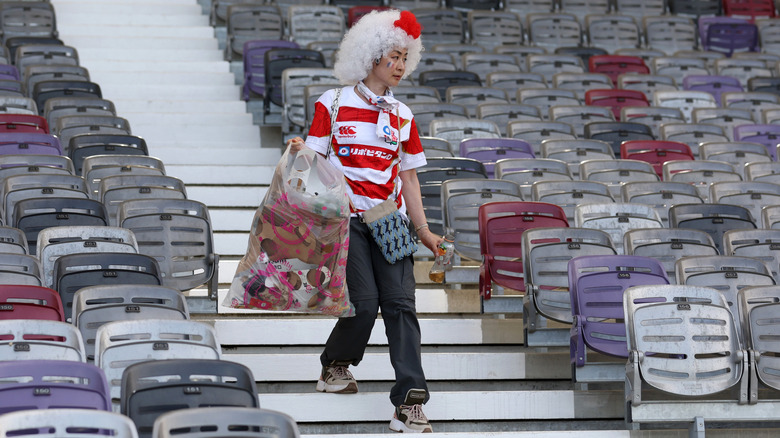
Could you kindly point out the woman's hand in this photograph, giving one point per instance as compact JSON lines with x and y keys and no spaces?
{"x":430,"y":239}
{"x":295,"y":144}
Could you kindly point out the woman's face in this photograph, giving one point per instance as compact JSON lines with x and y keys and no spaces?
{"x":390,"y":69}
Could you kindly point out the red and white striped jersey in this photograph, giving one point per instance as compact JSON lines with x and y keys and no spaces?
{"x":365,"y":159}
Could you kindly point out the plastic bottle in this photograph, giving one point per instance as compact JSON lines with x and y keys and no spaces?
{"x":443,"y":260}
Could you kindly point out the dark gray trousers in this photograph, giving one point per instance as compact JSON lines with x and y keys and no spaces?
{"x":374,"y":283}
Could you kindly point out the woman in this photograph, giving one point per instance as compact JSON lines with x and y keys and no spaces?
{"x":378,"y":51}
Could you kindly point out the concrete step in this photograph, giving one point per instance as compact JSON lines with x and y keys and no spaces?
{"x":86,"y":17}
{"x":222,"y":196}
{"x":191,"y":106}
{"x":143,"y":78}
{"x":152,"y":54}
{"x":231,"y":219}
{"x":216,"y":154}
{"x":97,"y":66}
{"x":215,"y":135}
{"x":115,"y":30}
{"x":119,"y":9}
{"x":187,"y":119}
{"x":114,"y":91}
{"x":140,"y":43}
{"x":228,"y":175}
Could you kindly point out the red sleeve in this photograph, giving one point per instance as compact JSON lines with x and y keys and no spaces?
{"x":320,"y":124}
{"x":413,"y":145}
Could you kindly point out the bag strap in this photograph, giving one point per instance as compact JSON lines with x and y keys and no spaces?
{"x":334,"y":112}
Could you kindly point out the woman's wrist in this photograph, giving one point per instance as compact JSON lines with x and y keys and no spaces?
{"x":420,"y":227}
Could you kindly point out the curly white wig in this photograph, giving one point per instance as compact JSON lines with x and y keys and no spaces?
{"x":372,"y":37}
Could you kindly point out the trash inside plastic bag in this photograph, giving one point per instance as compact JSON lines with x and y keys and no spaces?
{"x":297,"y":252}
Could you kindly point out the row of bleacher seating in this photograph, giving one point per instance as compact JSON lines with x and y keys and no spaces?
{"x":78,"y":284}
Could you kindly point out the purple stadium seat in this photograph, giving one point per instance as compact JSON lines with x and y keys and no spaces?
{"x":45,"y":384}
{"x":490,"y":150}
{"x":9,"y":72}
{"x":254,"y":65}
{"x":767,"y":135}
{"x":728,"y":35}
{"x":596,"y":285}
{"x":13,"y":143}
{"x":715,"y":85}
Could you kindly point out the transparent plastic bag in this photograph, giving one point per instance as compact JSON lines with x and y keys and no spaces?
{"x":297,"y":252}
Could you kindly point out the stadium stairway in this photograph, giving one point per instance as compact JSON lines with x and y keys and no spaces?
{"x":159,"y":62}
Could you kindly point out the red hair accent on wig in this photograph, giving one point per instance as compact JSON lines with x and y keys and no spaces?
{"x":408,"y":23}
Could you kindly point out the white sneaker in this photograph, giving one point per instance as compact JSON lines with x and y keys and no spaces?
{"x":337,"y":379}
{"x":409,"y":417}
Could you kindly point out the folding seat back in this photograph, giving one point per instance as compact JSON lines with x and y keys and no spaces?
{"x":424,"y":113}
{"x":488,"y":151}
{"x":35,"y":73}
{"x":546,"y":98}
{"x":573,"y":152}
{"x":693,"y":134}
{"x":685,"y":101}
{"x":655,"y":152}
{"x":93,"y":306}
{"x":443,"y":79}
{"x":18,"y":123}
{"x":616,"y":133}
{"x":736,"y":153}
{"x":758,"y":310}
{"x":57,"y":107}
{"x":119,"y":344}
{"x":581,"y":82}
{"x":713,"y":219}
{"x":526,"y":171}
{"x":455,"y":130}
{"x":583,"y":8}
{"x":471,"y":96}
{"x":178,"y":233}
{"x":660,"y":195}
{"x":31,"y":215}
{"x":73,"y":272}
{"x":536,"y":133}
{"x":70,"y":126}
{"x":750,"y":9}
{"x":616,"y":219}
{"x":501,"y":227}
{"x":55,"y":242}
{"x":529,"y":6}
{"x":220,"y":421}
{"x":503,"y":113}
{"x":250,"y":22}
{"x":728,"y":118}
{"x":700,"y":173}
{"x":709,"y":363}
{"x":554,"y":29}
{"x":485,"y":63}
{"x":293,"y":82}
{"x":219,"y":10}
{"x":612,"y":31}
{"x":766,"y":171}
{"x":615,"y":65}
{"x":12,"y":241}
{"x":45,"y":90}
{"x":596,"y":287}
{"x":436,"y":147}
{"x":309,"y":23}
{"x":32,"y":143}
{"x":546,"y":254}
{"x":253,"y":62}
{"x":766,"y":135}
{"x":520,"y":53}
{"x":354,"y":13}
{"x":37,"y":339}
{"x":695,"y":8}
{"x":28,"y":19}
{"x":441,"y":25}
{"x":760,"y":244}
{"x":65,"y":383}
{"x":20,"y":269}
{"x":752,"y":194}
{"x":615,"y":173}
{"x":549,"y":65}
{"x":413,"y":94}
{"x":279,"y":59}
{"x":494,"y":28}
{"x":652,"y":116}
{"x":461,"y":200}
{"x":569,"y":194}
{"x":438,"y":62}
{"x":616,"y":99}
{"x":667,"y":245}
{"x":729,"y":37}
{"x":715,"y":85}
{"x":18,"y":187}
{"x":726,"y":273}
{"x":580,"y":115}
{"x":67,"y":423}
{"x":764,"y":84}
{"x":85,"y":145}
{"x":30,"y":302}
{"x":742,"y":69}
{"x":669,"y":33}
{"x":116,"y":189}
{"x":639,"y":9}
{"x":44,"y":52}
{"x":513,"y":82}
{"x":755,"y":102}
{"x":433,"y":174}
{"x":21,"y":164}
{"x":151,"y":389}
{"x":18,"y":105}
{"x":97,"y":167}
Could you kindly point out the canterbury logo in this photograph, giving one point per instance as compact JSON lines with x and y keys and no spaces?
{"x":347,"y":130}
